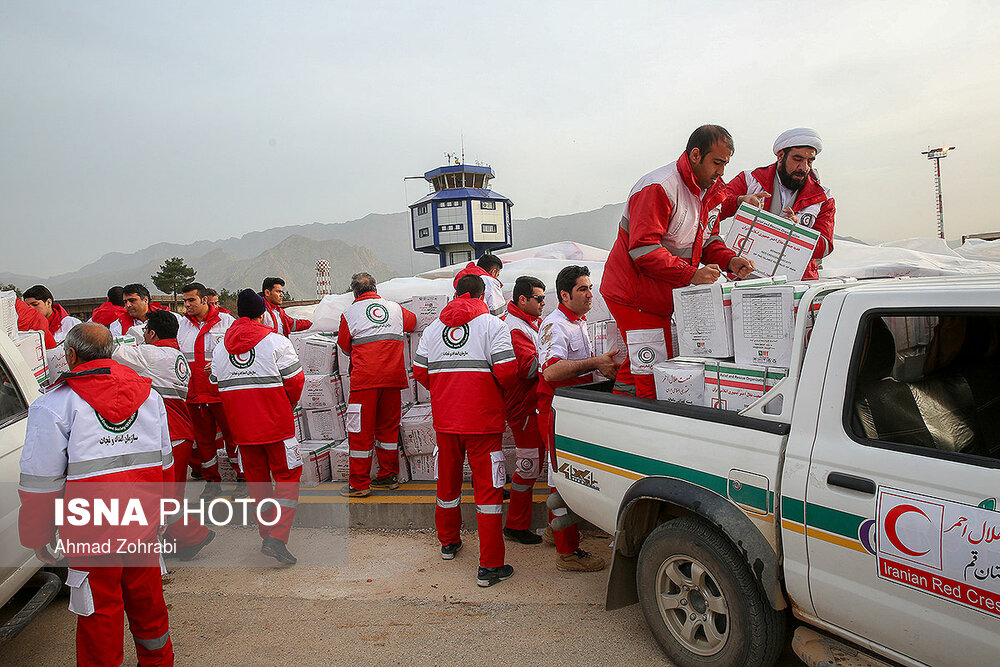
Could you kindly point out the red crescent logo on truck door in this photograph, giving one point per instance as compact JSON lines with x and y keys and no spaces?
{"x":890,"y":528}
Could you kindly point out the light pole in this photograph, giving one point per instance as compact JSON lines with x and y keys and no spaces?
{"x":938,"y":154}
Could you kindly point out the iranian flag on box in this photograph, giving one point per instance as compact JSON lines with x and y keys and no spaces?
{"x":775,"y":244}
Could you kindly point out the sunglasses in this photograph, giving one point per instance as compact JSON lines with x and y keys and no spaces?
{"x":540,"y":298}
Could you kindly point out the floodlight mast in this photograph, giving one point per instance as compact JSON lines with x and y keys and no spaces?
{"x":938,"y":154}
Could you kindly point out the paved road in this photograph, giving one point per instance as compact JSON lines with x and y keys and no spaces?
{"x":395,"y":603}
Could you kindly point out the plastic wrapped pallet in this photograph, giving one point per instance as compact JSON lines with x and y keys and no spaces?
{"x":680,"y":381}
{"x":8,"y":313}
{"x":31,"y":345}
{"x":416,"y":431}
{"x":315,"y":462}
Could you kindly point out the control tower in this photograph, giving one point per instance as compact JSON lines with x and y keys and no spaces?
{"x":462,"y":218}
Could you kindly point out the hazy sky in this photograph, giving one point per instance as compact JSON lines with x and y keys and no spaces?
{"x":128,"y":123}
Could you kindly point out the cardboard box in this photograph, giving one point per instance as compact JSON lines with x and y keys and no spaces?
{"x":325,"y":424}
{"x":416,"y":431}
{"x":704,"y":317}
{"x":129,"y":340}
{"x":775,"y":244}
{"x":55,"y":359}
{"x":424,"y":468}
{"x":428,"y":308}
{"x":321,"y":392}
{"x":731,"y":386}
{"x":227,"y":468}
{"x":404,"y":469}
{"x":317,"y":353}
{"x":8,"y":313}
{"x":680,"y":382}
{"x":340,"y":461}
{"x":343,"y":370}
{"x":421,"y":393}
{"x":300,"y":423}
{"x":315,"y":462}
{"x":604,"y":337}
{"x":31,"y":345}
{"x":764,"y":325}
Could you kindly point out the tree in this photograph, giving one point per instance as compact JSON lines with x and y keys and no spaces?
{"x":10,"y":287}
{"x":174,"y":274}
{"x":227,"y":299}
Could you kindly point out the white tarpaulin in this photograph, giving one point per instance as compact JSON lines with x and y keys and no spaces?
{"x":906,"y":257}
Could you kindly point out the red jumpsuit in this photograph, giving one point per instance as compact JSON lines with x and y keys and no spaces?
{"x":260,"y":380}
{"x":522,"y":416}
{"x":667,"y":229}
{"x":280,"y":322}
{"x":197,"y":340}
{"x":101,"y":434}
{"x":373,"y":333}
{"x":466,"y":360}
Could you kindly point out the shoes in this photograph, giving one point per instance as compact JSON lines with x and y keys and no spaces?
{"x":522,"y":536}
{"x":448,"y":551}
{"x":548,"y":537}
{"x":388,"y":482}
{"x":277,"y":550}
{"x":579,"y":561}
{"x":241,"y":489}
{"x":196,"y":474}
{"x":494,"y":575}
{"x":211,"y":490}
{"x":349,"y":491}
{"x":189,"y":552}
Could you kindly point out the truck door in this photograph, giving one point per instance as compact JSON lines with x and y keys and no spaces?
{"x":902,"y":532}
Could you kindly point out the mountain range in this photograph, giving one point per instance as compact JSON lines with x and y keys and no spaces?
{"x":378,"y":243}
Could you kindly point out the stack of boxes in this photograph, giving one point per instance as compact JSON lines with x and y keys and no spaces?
{"x":319,"y":416}
{"x":734,"y":341}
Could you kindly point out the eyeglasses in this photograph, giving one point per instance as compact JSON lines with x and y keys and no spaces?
{"x":540,"y":298}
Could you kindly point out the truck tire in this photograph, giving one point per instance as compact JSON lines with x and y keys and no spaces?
{"x":700,"y":600}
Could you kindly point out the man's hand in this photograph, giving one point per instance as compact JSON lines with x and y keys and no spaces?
{"x":706,"y":275}
{"x":208,"y":367}
{"x":46,"y":556}
{"x":754,"y":199}
{"x":607,"y":366}
{"x":788,"y":213}
{"x":741,"y":266}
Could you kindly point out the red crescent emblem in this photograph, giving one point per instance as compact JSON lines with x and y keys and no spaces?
{"x":890,"y":528}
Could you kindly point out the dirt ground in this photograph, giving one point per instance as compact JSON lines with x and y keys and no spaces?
{"x":396,"y":602}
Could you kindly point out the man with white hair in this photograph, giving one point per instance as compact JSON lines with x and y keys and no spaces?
{"x":790,"y":187}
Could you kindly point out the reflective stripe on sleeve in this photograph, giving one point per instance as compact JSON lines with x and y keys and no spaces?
{"x":636,"y":253}
{"x":291,"y":370}
{"x":502,"y":356}
{"x":37,"y":483}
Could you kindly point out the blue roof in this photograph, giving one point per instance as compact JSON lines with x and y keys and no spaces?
{"x":456,"y":168}
{"x":461,"y":193}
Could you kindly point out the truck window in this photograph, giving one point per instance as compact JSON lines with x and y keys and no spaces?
{"x":12,"y":404}
{"x":928,"y":383}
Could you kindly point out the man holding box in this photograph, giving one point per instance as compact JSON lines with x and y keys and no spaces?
{"x":793,"y":189}
{"x":669,"y":226}
{"x":373,"y":332}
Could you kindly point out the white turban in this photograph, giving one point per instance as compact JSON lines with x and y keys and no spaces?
{"x":799,"y":136}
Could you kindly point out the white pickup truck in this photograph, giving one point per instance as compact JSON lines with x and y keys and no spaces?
{"x":19,"y":387}
{"x":865,"y":507}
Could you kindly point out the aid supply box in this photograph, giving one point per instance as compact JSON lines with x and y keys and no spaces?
{"x":775,"y":244}
{"x":680,"y":381}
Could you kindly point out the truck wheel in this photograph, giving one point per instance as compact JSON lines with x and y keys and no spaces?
{"x":701,"y":601}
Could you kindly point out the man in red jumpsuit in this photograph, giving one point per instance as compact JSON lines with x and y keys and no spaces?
{"x":110,"y":310}
{"x":670,"y":225}
{"x":100,"y":434}
{"x":466,"y":360}
{"x":260,"y":380}
{"x":523,"y":317}
{"x":373,"y":332}
{"x":160,"y":360}
{"x":800,"y":197}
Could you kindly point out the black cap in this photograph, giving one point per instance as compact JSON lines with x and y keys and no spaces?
{"x":249,"y":304}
